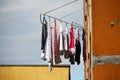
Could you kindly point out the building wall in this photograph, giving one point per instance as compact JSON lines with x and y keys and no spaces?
{"x":103,"y":39}
{"x":34,"y":73}
{"x":106,"y":39}
{"x":106,"y":72}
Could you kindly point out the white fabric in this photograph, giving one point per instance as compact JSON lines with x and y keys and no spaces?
{"x":65,"y":41}
{"x":42,"y":55}
{"x":61,"y":42}
{"x":48,"y":51}
{"x":72,"y":50}
{"x":61,"y":37}
{"x":60,"y":27}
{"x":77,"y":33}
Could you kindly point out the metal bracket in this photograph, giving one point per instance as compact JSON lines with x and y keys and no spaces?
{"x":106,"y":60}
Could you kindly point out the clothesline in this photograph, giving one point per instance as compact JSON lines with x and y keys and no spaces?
{"x":72,"y":23}
{"x":58,"y":19}
{"x":65,"y":44}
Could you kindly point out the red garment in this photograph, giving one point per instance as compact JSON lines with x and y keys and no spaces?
{"x":55,"y":39}
{"x":72,"y":46}
{"x":56,"y":51}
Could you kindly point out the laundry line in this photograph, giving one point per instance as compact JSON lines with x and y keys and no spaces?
{"x":80,"y":27}
{"x":72,"y":23}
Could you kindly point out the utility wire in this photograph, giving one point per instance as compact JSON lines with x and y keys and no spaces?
{"x":60,"y":6}
{"x":17,"y":21}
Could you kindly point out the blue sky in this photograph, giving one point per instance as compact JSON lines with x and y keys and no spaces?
{"x":20,"y":30}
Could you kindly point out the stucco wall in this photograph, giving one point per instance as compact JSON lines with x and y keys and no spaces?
{"x":34,"y":73}
{"x":106,"y":72}
{"x":106,"y":39}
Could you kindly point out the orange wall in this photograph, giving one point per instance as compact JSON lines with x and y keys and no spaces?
{"x":106,"y":39}
{"x":33,"y":73}
{"x":106,"y":72}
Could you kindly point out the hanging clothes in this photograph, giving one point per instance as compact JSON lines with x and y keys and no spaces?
{"x":84,"y":45}
{"x":44,"y":37}
{"x":56,"y":51}
{"x":50,"y":63}
{"x":78,"y":47}
{"x":48,"y":47}
{"x":66,"y":44}
{"x":72,"y":46}
{"x":61,"y":39}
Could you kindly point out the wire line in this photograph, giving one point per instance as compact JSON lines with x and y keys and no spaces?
{"x":71,"y":13}
{"x":17,"y":21}
{"x":61,"y":20}
{"x":60,"y":6}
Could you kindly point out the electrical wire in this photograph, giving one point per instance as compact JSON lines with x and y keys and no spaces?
{"x":60,"y":6}
{"x":15,"y":20}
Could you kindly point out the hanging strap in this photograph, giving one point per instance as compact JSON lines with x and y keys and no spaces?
{"x":44,"y":20}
